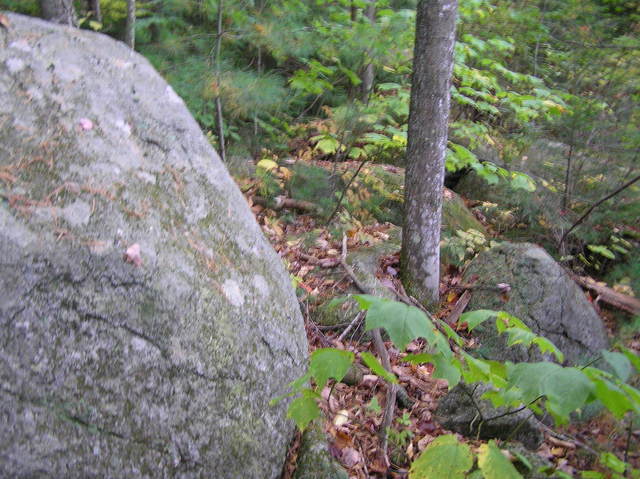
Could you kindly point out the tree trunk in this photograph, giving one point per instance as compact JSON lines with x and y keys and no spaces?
{"x":219,"y":116}
{"x":94,"y":6}
{"x":130,"y":29}
{"x":368,"y":74}
{"x":59,"y":11}
{"x":426,"y":147}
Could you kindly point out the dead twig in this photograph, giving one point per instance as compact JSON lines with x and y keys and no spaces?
{"x":390,"y":404}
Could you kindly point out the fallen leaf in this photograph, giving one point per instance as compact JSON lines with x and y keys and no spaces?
{"x":350,"y":457}
{"x":132,"y":255}
{"x":342,"y":418}
{"x":4,"y":21}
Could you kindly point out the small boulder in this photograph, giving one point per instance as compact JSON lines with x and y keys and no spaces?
{"x":314,"y":460}
{"x":462,"y":410}
{"x":542,"y":295}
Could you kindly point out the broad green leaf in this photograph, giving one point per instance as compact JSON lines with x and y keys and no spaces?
{"x":267,"y":165}
{"x":566,"y":390}
{"x":446,"y":368}
{"x":520,"y":181}
{"x":529,"y":377}
{"x":303,"y":410}
{"x":619,"y":363}
{"x":328,"y":145}
{"x":632,"y":357}
{"x":451,"y":334}
{"x":403,"y":323}
{"x":328,"y":363}
{"x":602,"y":250}
{"x":610,"y":460}
{"x":610,"y":395}
{"x":294,"y":386}
{"x":474,"y":318}
{"x":547,"y":346}
{"x":494,"y":465}
{"x":476,"y":369}
{"x":444,"y":458}
{"x":591,"y":475}
{"x":372,"y":363}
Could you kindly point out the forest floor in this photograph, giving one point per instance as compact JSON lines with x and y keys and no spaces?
{"x":352,"y":413}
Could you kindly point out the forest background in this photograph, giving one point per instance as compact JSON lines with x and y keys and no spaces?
{"x":331,"y":80}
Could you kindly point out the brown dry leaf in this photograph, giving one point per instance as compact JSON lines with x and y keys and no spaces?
{"x":132,"y":255}
{"x":342,"y":439}
{"x":558,"y":451}
{"x":4,"y":21}
{"x":425,"y":441}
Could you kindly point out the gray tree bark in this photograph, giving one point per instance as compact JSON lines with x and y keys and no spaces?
{"x":368,"y":75}
{"x":59,"y":11}
{"x":426,"y":147}
{"x":130,"y":28}
{"x":94,"y":6}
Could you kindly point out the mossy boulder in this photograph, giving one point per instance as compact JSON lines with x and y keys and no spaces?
{"x":542,"y":295}
{"x":460,"y":411}
{"x":314,"y":459}
{"x":364,"y":263}
{"x":145,"y":321}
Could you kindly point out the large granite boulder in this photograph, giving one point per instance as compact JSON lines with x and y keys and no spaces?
{"x":542,"y":295}
{"x":145,"y":322}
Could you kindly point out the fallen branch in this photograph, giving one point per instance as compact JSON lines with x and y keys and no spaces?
{"x":609,"y":296}
{"x":322,"y":262}
{"x":458,"y":309}
{"x":594,"y":206}
{"x":390,"y":404}
{"x":281,"y":202}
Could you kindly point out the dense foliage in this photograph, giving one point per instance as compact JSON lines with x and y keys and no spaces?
{"x":528,"y":75}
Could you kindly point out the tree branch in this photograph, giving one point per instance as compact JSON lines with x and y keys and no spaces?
{"x":595,"y":205}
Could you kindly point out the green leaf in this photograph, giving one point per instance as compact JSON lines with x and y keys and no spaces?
{"x":602,"y":250}
{"x":444,"y":458}
{"x":451,"y":334}
{"x":610,"y":395}
{"x":448,"y":369}
{"x":494,"y":465}
{"x":372,"y":363}
{"x":520,"y":181}
{"x":547,"y":346}
{"x":374,"y":405}
{"x":632,"y":357}
{"x":529,"y":377}
{"x":474,"y":318}
{"x":328,"y":363}
{"x":610,"y":460}
{"x":328,"y":145}
{"x":619,"y":363}
{"x":304,"y":409}
{"x":566,"y":390}
{"x":403,"y":323}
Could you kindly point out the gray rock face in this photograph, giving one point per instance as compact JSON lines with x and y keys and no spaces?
{"x":477,"y":417}
{"x":542,"y":295}
{"x":161,"y":366}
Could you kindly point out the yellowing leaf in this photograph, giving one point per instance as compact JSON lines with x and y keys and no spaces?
{"x":494,"y":465}
{"x":267,"y":165}
{"x":444,"y":458}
